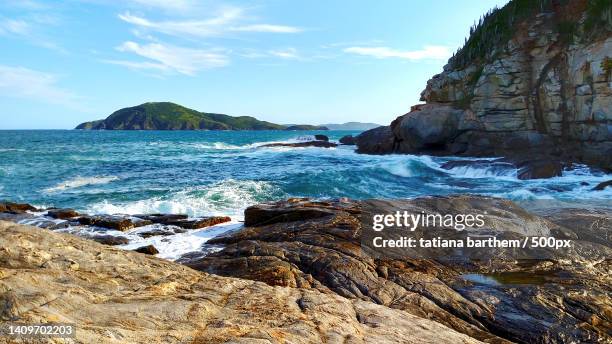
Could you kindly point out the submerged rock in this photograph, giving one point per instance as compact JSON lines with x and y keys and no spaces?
{"x":601,"y":186}
{"x":321,"y":144}
{"x":122,"y":296}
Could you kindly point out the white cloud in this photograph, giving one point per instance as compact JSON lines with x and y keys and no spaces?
{"x":26,"y":83}
{"x":266,"y":28}
{"x":289,"y":53}
{"x":171,"y":59}
{"x":227,"y":20}
{"x":172,"y":5}
{"x":14,"y":27}
{"x":432,"y":52}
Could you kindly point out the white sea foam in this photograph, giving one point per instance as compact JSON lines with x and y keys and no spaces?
{"x":11,"y":150}
{"x":483,"y":172}
{"x":81,"y":181}
{"x":229,"y":197}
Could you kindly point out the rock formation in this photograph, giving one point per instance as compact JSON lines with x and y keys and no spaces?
{"x":534,"y":78}
{"x":116,"y":296}
{"x":308,"y":244}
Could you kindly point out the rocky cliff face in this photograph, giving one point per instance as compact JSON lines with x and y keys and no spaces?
{"x":546,"y":89}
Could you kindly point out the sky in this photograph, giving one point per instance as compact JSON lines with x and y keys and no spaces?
{"x":314,"y":62}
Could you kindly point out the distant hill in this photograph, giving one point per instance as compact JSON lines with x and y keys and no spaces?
{"x":170,"y":116}
{"x":305,"y":127}
{"x":352,"y":126}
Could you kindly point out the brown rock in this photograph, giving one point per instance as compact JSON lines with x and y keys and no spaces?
{"x":199,"y":222}
{"x":110,"y":240}
{"x":539,"y":169}
{"x":111,"y":221}
{"x":15,"y":208}
{"x":62,"y":213}
{"x":149,"y":249}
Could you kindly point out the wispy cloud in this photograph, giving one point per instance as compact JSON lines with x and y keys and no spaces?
{"x":30,"y":84}
{"x":171,"y":5}
{"x":29,"y":30}
{"x":288,"y":53}
{"x":227,"y":20}
{"x":171,"y":59}
{"x":431,"y":52}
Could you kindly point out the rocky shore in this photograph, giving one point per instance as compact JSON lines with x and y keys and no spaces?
{"x":320,"y":284}
{"x":116,"y":296}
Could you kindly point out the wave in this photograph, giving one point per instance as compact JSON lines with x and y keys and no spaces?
{"x":81,"y":181}
{"x":507,"y":172}
{"x":229,"y":197}
{"x":11,"y":150}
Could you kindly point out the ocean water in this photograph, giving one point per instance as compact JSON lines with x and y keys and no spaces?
{"x":222,"y":172}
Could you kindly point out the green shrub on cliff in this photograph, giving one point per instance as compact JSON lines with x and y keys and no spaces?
{"x":581,"y":19}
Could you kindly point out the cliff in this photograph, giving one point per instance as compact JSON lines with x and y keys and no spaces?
{"x":116,"y":296}
{"x":534,"y":77}
{"x":170,"y":116}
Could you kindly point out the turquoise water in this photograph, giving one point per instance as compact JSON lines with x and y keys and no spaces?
{"x":222,"y":172}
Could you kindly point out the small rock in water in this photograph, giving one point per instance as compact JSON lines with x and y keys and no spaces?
{"x":603,"y":185}
{"x":149,"y":249}
{"x":108,"y":221}
{"x":539,"y":169}
{"x":322,"y":144}
{"x":110,"y":240}
{"x":200,"y":223}
{"x":62,"y":213}
{"x":15,"y":208}
{"x":320,"y":137}
{"x":162,"y":218}
{"x":348,"y":140}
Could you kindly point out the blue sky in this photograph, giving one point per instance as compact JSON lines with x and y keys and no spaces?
{"x":65,"y":62}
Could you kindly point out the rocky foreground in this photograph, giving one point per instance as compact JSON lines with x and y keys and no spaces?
{"x":305,"y":244}
{"x":116,"y":296}
{"x":297,"y":272}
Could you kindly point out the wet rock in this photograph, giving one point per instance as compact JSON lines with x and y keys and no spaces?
{"x":376,"y":141}
{"x":157,"y":232}
{"x":110,"y":240}
{"x":539,"y":169}
{"x":149,"y":249}
{"x":601,"y":186}
{"x":119,"y":223}
{"x":15,"y":208}
{"x":199,"y":222}
{"x":294,"y":209}
{"x":320,"y":144}
{"x":348,"y":140}
{"x":322,"y":250}
{"x":320,"y":137}
{"x":62,"y":213}
{"x":162,"y":218}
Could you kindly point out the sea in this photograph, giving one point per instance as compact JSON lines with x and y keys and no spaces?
{"x":202,"y":173}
